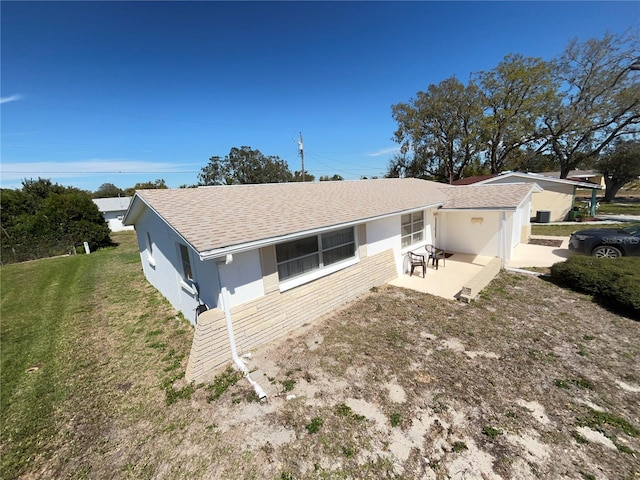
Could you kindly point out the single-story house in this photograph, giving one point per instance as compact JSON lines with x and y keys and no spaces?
{"x":266,"y":259}
{"x":557,"y":196}
{"x":113,"y":210}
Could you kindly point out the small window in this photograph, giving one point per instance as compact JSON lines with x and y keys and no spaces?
{"x":149,"y":245}
{"x":186,"y":263}
{"x":412,"y":228}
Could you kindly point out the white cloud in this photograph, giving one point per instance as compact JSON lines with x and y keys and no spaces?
{"x":384,"y":151}
{"x":11,"y":98}
{"x":18,"y":171}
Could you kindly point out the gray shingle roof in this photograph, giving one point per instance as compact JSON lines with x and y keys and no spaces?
{"x":112,"y":204}
{"x":215,"y":217}
{"x":212,"y":218}
{"x":496,"y":196}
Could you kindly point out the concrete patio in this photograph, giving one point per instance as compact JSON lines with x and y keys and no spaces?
{"x":447,"y":281}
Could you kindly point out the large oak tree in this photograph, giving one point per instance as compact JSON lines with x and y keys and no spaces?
{"x":598,"y":101}
{"x":438,"y":131}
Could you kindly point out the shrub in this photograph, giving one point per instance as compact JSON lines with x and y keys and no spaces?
{"x":615,"y":282}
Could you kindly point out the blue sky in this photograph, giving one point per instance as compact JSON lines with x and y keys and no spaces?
{"x":124,"y":92}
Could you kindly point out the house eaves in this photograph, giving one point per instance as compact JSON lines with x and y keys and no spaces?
{"x":533,"y":177}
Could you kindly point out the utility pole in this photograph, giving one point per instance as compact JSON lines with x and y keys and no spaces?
{"x":301,"y":148}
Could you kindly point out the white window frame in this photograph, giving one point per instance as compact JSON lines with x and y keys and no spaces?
{"x":413,"y":223}
{"x":322,"y":270}
{"x":185,"y":262}
{"x":150,"y":258}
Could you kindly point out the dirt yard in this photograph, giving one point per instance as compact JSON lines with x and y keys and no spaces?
{"x":529,"y":382}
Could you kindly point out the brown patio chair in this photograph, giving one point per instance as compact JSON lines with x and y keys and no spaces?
{"x":417,"y":260}
{"x":435,"y":255}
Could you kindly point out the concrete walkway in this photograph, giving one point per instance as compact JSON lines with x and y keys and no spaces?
{"x":527,"y":255}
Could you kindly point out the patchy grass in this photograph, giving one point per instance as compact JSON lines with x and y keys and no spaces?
{"x":501,"y":388}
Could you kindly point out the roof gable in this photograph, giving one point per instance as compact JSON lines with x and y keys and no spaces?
{"x":536,"y":177}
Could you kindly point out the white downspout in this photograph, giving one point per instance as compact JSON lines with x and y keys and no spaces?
{"x":226,"y":306}
{"x":503,"y":237}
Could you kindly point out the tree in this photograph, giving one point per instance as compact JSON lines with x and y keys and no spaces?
{"x":441,"y":130}
{"x":515,"y":94}
{"x":334,"y":178}
{"x":599,"y":101}
{"x":244,"y":166}
{"x":619,"y":166}
{"x":158,"y":184}
{"x":297,"y":176}
{"x":108,"y":190}
{"x":45,"y":219}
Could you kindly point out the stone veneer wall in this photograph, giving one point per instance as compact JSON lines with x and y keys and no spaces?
{"x":259,"y":321}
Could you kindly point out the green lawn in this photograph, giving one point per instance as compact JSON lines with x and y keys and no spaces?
{"x":566,"y":230}
{"x":58,"y":389}
{"x":619,"y":209}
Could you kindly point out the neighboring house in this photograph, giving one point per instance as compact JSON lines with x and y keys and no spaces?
{"x":266,"y":259}
{"x":557,"y":196}
{"x":589,"y":176}
{"x":113,"y":210}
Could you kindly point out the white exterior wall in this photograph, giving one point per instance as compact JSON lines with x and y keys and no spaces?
{"x":114,"y":220}
{"x":510,"y":223}
{"x":485,"y":233}
{"x":384,"y":234}
{"x":243,"y":277}
{"x":472,"y":232}
{"x":163,"y":267}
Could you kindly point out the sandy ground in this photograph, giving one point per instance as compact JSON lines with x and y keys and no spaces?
{"x":528,"y":382}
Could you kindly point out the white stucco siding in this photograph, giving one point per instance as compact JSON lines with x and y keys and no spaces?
{"x":384,"y":234}
{"x":207,"y":279}
{"x":114,"y":220}
{"x":162,"y":264}
{"x":473,"y":232}
{"x":243,"y":277}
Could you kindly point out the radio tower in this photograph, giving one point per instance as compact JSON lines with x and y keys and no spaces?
{"x":301,"y":148}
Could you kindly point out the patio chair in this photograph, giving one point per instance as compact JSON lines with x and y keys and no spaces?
{"x":417,"y":260}
{"x":435,"y":255}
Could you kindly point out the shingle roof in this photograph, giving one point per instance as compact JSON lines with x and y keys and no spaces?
{"x":534,"y":177}
{"x":497,"y":196}
{"x":211,"y":218}
{"x":474,"y":179}
{"x":112,"y":204}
